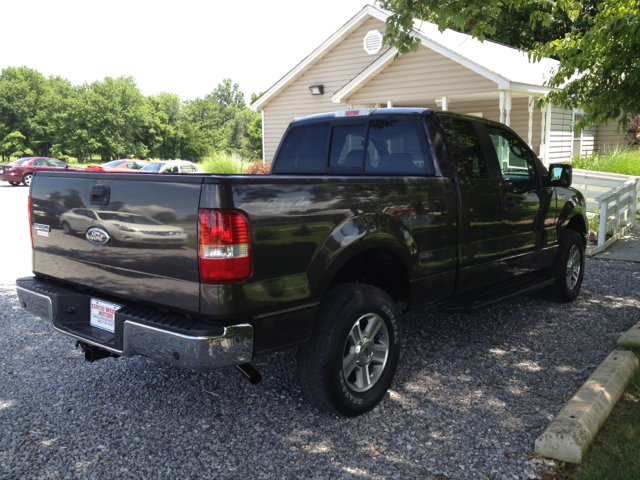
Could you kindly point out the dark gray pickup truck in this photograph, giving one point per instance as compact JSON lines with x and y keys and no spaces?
{"x":365,"y":213}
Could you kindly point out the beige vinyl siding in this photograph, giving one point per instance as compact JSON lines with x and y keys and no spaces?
{"x":607,"y":138}
{"x":560,"y":137}
{"x":588,"y":140}
{"x":421,"y":75}
{"x":334,"y":71}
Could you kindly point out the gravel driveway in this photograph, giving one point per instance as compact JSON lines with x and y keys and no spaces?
{"x":471,"y":395}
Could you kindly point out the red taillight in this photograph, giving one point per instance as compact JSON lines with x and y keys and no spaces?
{"x":29,"y":218}
{"x":224,"y":246}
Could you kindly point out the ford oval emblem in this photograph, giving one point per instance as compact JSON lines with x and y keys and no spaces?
{"x":98,"y":237}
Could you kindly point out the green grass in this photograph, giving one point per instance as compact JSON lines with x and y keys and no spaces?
{"x":225,"y":162}
{"x":625,"y":160}
{"x":615,"y":453}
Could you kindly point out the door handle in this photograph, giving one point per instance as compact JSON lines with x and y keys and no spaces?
{"x":509,"y":203}
{"x":99,"y":195}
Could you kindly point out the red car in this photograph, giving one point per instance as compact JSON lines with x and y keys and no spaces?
{"x":119,"y":166}
{"x":22,"y":170}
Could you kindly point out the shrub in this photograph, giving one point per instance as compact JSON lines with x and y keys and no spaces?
{"x":257,"y":167}
{"x":633,"y":130}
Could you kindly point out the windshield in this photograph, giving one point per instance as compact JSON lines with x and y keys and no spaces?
{"x":128,"y":218}
{"x":112,"y":164}
{"x":20,"y":161}
{"x":153,"y":167}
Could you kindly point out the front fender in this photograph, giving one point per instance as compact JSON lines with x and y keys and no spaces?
{"x":355,"y":235}
{"x":573,"y":210}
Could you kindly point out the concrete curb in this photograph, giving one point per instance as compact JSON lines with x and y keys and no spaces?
{"x":572,"y":430}
{"x":631,"y":339}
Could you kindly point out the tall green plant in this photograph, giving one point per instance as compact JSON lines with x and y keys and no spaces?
{"x":226,"y":162}
{"x":622,"y":160}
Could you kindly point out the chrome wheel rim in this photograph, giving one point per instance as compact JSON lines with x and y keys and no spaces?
{"x":27,"y":180}
{"x":573,"y":267}
{"x":365,"y":352}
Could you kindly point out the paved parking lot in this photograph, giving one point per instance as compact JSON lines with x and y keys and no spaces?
{"x":471,"y":395}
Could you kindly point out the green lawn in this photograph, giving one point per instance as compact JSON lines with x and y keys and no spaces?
{"x":615,"y":452}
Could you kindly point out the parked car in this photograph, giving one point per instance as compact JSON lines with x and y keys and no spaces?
{"x":22,"y":170}
{"x":123,"y":228}
{"x":172,"y":166}
{"x":119,"y":166}
{"x":363,"y":211}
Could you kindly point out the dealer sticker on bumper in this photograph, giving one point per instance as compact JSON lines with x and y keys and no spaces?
{"x":103,"y":314}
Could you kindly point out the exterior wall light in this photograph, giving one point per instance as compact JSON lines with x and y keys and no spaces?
{"x":316,"y":89}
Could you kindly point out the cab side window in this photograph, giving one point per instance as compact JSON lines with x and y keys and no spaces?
{"x":516,"y":162}
{"x":465,"y":148}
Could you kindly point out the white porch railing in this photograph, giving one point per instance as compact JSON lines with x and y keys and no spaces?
{"x":614,"y":197}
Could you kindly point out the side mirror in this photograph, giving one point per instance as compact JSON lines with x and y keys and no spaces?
{"x":560,"y":175}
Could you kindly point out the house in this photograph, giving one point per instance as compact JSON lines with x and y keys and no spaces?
{"x":450,"y":71}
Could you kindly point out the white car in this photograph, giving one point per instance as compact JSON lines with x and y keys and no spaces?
{"x":123,"y":227}
{"x":171,"y":166}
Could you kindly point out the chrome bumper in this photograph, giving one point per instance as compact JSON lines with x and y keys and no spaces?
{"x":233,"y":347}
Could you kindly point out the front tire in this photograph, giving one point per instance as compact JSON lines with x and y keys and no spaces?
{"x":349,"y":363}
{"x":27,"y":179}
{"x":569,"y":268}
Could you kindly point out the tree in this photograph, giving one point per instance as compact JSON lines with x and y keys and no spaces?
{"x":21,"y":95}
{"x":164,"y":134}
{"x":228,"y":94}
{"x":599,"y":52}
{"x":14,"y":144}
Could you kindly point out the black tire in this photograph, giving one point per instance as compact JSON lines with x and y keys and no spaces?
{"x":14,"y":184}
{"x":66,"y":228}
{"x":27,"y":179}
{"x":568,"y":269}
{"x":333,"y":368}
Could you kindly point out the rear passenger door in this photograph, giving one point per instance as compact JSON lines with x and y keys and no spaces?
{"x":481,"y":212}
{"x":528,"y":232}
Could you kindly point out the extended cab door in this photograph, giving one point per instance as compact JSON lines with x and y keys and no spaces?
{"x":481,"y":212}
{"x":528,"y":229}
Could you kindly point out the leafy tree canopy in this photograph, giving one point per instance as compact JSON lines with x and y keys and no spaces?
{"x":596,"y":42}
{"x":112,"y":119}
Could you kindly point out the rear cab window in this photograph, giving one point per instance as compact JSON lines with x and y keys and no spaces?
{"x":363,"y":145}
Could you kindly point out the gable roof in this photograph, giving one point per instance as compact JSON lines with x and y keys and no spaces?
{"x":507,"y":66}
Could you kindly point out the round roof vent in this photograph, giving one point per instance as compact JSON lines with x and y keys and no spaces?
{"x":372,"y":42}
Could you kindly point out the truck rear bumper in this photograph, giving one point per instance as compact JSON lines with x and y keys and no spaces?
{"x":172,"y":340}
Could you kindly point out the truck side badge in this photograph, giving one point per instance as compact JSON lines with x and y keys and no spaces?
{"x":276,"y":206}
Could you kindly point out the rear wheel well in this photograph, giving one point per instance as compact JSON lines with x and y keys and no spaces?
{"x":380,"y":268}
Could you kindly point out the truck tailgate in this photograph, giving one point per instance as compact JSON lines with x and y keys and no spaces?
{"x":130,"y":235}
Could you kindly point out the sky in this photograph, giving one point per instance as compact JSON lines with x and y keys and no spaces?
{"x":186,"y":47}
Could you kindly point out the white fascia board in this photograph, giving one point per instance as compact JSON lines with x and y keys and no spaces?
{"x":317,"y":54}
{"x":364,"y":76}
{"x":503,"y":83}
{"x":531,"y":88}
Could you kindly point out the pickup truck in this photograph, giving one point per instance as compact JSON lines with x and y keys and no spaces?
{"x":365,"y":213}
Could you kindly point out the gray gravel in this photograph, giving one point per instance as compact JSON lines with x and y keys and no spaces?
{"x":471,"y":395}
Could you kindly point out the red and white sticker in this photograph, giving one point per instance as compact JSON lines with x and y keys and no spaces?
{"x":103,"y":314}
